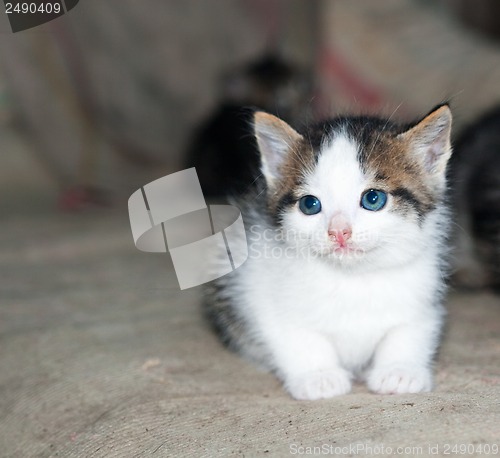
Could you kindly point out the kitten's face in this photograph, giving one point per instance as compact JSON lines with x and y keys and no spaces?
{"x":360,"y":191}
{"x":358,"y":217}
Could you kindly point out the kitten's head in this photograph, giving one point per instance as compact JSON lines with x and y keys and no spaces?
{"x":357,"y":189}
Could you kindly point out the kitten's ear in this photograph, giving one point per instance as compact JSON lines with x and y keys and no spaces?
{"x":275,"y":138}
{"x":429,"y":141}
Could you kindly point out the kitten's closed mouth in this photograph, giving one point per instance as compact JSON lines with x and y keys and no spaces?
{"x":348,"y":251}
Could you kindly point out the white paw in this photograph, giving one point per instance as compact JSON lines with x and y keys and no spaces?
{"x":319,"y":385}
{"x":399,"y":380}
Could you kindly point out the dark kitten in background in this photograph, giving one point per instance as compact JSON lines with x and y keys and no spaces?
{"x":475,"y":177}
{"x":224,"y":150}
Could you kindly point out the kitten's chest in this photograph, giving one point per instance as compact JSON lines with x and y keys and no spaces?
{"x":356,"y":316}
{"x":365,"y":305}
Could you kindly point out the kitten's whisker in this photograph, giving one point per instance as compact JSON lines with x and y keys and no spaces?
{"x":375,"y":142}
{"x":393,"y":113}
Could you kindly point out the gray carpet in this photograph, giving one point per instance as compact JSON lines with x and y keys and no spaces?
{"x":101,"y":355}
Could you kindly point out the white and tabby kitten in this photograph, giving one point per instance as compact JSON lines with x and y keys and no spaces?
{"x":344,"y":279}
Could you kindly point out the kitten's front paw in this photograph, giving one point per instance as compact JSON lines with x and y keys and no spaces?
{"x":399,"y":380}
{"x":319,"y":385}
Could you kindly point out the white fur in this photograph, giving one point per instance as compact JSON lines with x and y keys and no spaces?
{"x":326,"y":319}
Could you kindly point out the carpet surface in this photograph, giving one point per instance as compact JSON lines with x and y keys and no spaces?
{"x":102,"y":355}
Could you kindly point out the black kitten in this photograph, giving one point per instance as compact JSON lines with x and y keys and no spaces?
{"x":475,"y":177}
{"x":224,"y":150}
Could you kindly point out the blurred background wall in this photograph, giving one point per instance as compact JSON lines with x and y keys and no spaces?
{"x":107,"y":97}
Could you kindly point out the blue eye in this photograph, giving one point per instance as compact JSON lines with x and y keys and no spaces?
{"x":373,"y":200}
{"x":309,"y":205}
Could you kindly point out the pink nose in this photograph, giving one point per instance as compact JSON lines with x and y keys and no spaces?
{"x":340,"y":235}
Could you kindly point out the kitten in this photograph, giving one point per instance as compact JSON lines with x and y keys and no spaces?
{"x":344,"y":278}
{"x":223,"y":149}
{"x":475,"y":177}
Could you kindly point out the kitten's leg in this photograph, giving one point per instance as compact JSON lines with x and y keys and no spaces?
{"x":308,"y":365}
{"x":402,"y":361}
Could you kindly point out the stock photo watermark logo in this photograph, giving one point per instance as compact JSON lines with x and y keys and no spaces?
{"x":32,"y":13}
{"x":274,"y":243}
{"x":170,"y":215}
